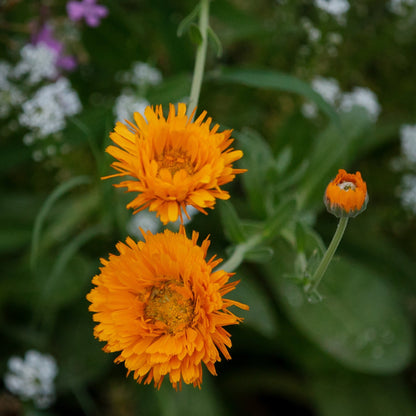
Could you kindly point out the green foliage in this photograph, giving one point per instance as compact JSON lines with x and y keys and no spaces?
{"x":350,"y":354}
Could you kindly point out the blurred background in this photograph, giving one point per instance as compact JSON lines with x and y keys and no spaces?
{"x":308,"y":87}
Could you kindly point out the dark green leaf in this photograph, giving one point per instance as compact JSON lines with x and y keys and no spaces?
{"x":215,"y":40}
{"x":188,"y":20}
{"x":232,"y":226}
{"x":195,"y":34}
{"x":274,"y":80}
{"x":359,"y":322}
{"x":349,"y":394}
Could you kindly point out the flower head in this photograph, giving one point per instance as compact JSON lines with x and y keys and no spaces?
{"x":346,"y":195}
{"x":161,"y":305}
{"x":173,"y":162}
{"x":87,"y":9}
{"x":32,"y":378}
{"x":46,"y":38}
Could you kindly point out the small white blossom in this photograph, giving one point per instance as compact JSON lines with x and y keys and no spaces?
{"x":333,"y":7}
{"x":145,"y":220}
{"x":361,"y":97}
{"x":145,"y":74}
{"x":408,"y":192}
{"x":38,"y":62}
{"x":127,"y":104}
{"x":408,"y":142}
{"x":46,"y":111}
{"x":32,"y":378}
{"x":330,"y":91}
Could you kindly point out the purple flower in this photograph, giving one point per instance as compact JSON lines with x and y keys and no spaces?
{"x":45,"y":37}
{"x":86,"y":9}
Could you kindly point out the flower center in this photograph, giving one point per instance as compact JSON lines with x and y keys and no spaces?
{"x":175,"y":160}
{"x":346,"y":186}
{"x":169,"y":304}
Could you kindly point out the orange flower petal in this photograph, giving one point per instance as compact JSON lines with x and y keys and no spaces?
{"x":160,"y":305}
{"x":173,"y":160}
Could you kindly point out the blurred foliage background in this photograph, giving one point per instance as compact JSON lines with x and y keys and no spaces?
{"x":352,"y":353}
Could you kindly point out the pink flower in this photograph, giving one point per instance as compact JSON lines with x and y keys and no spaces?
{"x":87,"y":9}
{"x":45,"y":37}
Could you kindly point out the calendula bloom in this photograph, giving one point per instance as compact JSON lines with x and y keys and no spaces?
{"x":160,"y":304}
{"x":173,"y":162}
{"x":346,"y":195}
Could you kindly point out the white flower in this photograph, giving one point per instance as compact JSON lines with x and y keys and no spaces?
{"x":408,"y":142}
{"x":38,"y":62}
{"x":32,"y":378}
{"x":46,"y":111}
{"x":127,"y":104}
{"x":333,"y":7}
{"x":408,"y":192}
{"x":145,"y":220}
{"x":361,"y":97}
{"x":145,"y":74}
{"x":330,"y":91}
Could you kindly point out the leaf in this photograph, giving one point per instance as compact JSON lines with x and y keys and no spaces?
{"x":284,"y":214}
{"x":274,"y":80}
{"x":233,"y":228}
{"x":195,"y":34}
{"x":61,"y":190}
{"x":203,"y":402}
{"x":261,"y":317}
{"x":258,"y":159}
{"x":349,"y":394}
{"x":215,"y":40}
{"x":359,"y":322}
{"x":188,"y":20}
{"x":261,"y":254}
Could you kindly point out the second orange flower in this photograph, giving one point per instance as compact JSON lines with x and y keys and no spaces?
{"x":173,"y":162}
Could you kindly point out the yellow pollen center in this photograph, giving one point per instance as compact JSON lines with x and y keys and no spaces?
{"x":175,"y":160}
{"x":167,"y":305}
{"x":346,"y":186}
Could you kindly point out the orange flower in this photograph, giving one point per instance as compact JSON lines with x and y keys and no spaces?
{"x":173,"y":162}
{"x":161,"y":305}
{"x":346,"y":195}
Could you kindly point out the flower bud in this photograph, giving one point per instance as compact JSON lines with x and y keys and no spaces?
{"x":346,"y":195}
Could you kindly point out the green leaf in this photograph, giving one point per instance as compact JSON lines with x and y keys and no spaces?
{"x":349,"y":394}
{"x":188,"y":20}
{"x":261,"y":317}
{"x":61,"y":190}
{"x":258,"y":159}
{"x":215,"y":40}
{"x":195,"y":34}
{"x":170,"y":90}
{"x":359,"y":322}
{"x":274,"y":80}
{"x":203,"y":402}
{"x":284,"y":214}
{"x":261,"y":254}
{"x":232,"y":226}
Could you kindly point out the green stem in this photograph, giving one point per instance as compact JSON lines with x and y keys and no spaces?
{"x":200,"y":57}
{"x":313,"y":284}
{"x":238,"y":254}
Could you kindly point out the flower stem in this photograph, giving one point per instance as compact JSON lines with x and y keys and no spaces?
{"x":313,"y":284}
{"x":200,"y":57}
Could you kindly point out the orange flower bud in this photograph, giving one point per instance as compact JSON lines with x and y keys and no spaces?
{"x":346,"y":195}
